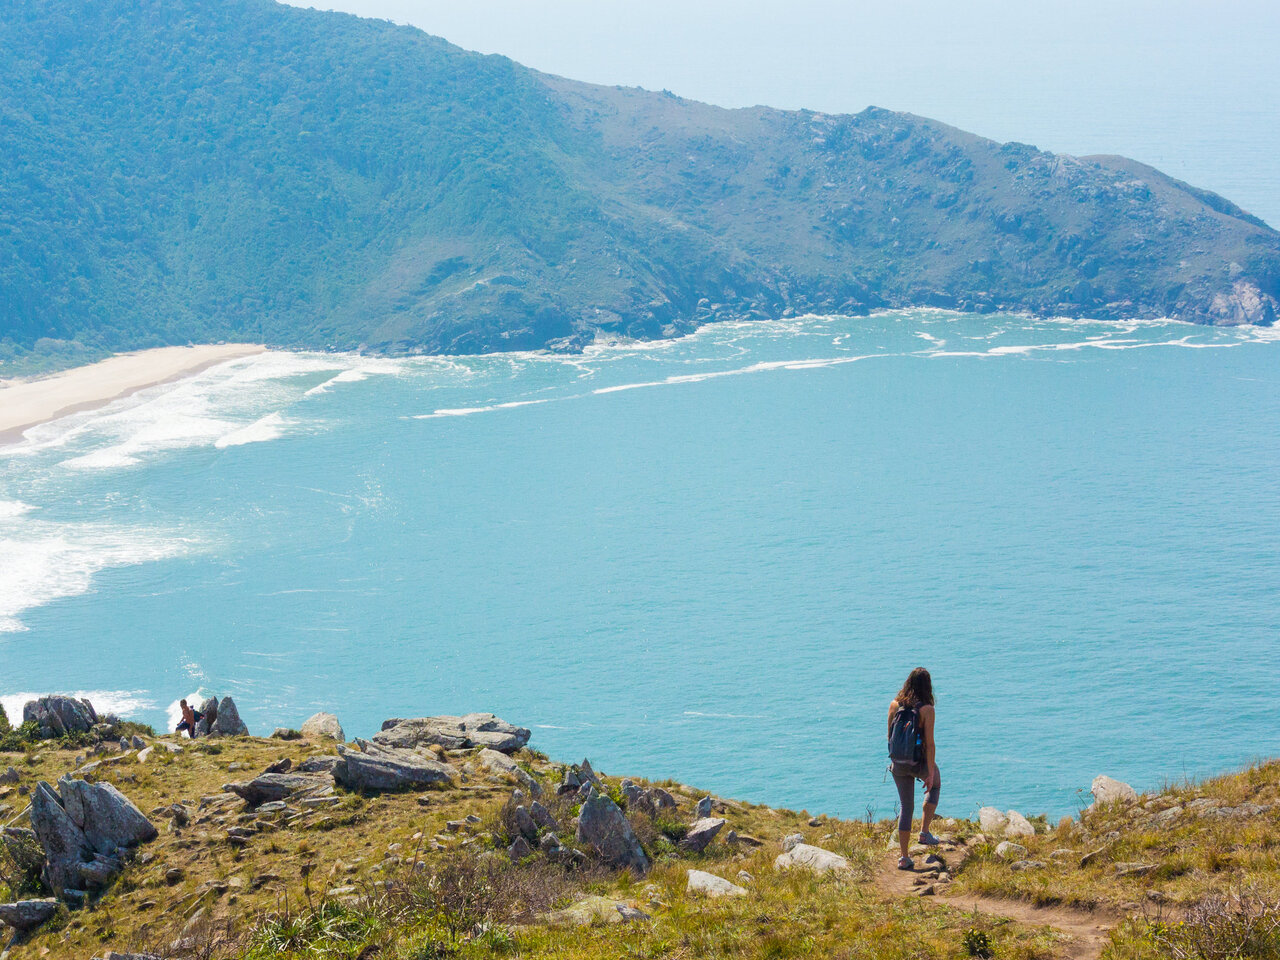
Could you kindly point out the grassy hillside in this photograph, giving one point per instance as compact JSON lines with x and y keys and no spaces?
{"x":197,"y":170}
{"x":406,"y":876}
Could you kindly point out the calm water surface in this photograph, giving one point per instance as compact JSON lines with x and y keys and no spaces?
{"x":712,"y":559}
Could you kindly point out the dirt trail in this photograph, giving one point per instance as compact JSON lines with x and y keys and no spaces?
{"x":1088,"y":932}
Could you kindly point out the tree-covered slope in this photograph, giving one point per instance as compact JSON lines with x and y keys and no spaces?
{"x":236,"y":169}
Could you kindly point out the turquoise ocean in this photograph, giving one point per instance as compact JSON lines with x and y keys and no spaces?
{"x":713,"y":558}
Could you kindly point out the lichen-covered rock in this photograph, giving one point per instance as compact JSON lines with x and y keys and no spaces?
{"x":228,"y":722}
{"x":602,"y":825}
{"x":85,"y":829}
{"x":496,"y":762}
{"x":453,"y":733}
{"x":57,"y":716}
{"x":270,"y":787}
{"x":701,"y":834}
{"x":373,"y":766}
{"x":26,"y":915}
{"x":322,"y":726}
{"x":992,"y":820}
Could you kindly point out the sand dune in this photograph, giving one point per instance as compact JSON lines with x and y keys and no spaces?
{"x":25,"y":403}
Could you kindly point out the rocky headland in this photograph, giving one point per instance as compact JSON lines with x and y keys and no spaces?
{"x":450,"y":836}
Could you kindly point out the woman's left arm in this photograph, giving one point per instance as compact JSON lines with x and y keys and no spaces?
{"x":926,"y":721}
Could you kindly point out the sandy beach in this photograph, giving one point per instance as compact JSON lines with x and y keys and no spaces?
{"x":27,"y":402}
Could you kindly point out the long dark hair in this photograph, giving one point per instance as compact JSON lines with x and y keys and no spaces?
{"x":918,"y":690}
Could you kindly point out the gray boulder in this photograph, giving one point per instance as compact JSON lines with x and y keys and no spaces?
{"x":496,"y":762}
{"x":57,"y":716}
{"x":270,"y":787}
{"x":543,"y":818}
{"x":814,"y":859}
{"x":25,"y":915}
{"x":703,"y":809}
{"x":324,"y":726}
{"x":228,"y":722}
{"x":374,"y":766}
{"x":1008,"y":850}
{"x":663,"y":800}
{"x":708,"y":884}
{"x":525,"y":824}
{"x":1106,"y":790}
{"x":453,"y":733}
{"x":700,"y":834}
{"x":85,"y":830}
{"x":320,"y":765}
{"x":602,"y":825}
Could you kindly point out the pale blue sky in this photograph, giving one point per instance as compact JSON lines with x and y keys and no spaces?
{"x":1192,"y":87}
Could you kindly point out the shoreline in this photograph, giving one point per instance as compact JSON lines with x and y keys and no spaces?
{"x":27,"y":403}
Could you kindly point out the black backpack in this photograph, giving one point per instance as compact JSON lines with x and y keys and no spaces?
{"x":906,"y":743}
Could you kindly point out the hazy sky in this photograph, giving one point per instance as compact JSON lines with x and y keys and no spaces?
{"x":1192,"y":87}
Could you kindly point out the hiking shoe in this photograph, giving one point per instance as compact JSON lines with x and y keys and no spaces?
{"x":906,"y":863}
{"x":929,"y":840}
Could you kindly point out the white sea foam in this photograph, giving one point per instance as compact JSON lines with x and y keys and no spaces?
{"x":41,"y":562}
{"x":123,"y":703}
{"x":761,"y":367}
{"x":468,"y":411}
{"x":14,"y":508}
{"x":266,"y":428}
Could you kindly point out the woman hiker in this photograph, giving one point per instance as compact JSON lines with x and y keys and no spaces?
{"x":911,"y":755}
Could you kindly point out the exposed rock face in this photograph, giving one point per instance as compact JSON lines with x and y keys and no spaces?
{"x":270,"y":787}
{"x":228,"y":722}
{"x":602,"y":825}
{"x":25,"y":915}
{"x":324,"y":726}
{"x":1243,"y":304}
{"x":710,"y":885}
{"x":1106,"y":790}
{"x":814,"y":859}
{"x":320,"y":764}
{"x":453,"y":733}
{"x":701,"y":834}
{"x":85,"y":832}
{"x":593,"y":910}
{"x":58,"y":716}
{"x":374,"y":766}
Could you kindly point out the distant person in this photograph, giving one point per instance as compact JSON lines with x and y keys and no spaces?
{"x":911,"y":756}
{"x":190,"y":717}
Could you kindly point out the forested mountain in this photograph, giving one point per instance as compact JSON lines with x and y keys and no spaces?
{"x":175,"y":170}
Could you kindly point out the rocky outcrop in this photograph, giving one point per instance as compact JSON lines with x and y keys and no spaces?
{"x":86,"y":830}
{"x":814,"y":859}
{"x":602,"y":826}
{"x":1243,"y":304}
{"x":453,"y":733}
{"x":227,"y":722}
{"x":496,"y":762}
{"x":324,"y":726}
{"x":58,"y":716}
{"x":374,"y":766}
{"x":271,"y":787}
{"x":25,"y":915}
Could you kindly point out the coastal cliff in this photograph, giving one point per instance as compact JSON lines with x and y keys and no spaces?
{"x":450,"y":836}
{"x":242,"y":170}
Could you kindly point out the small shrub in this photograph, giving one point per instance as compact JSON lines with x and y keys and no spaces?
{"x":1240,"y":926}
{"x":978,"y":944}
{"x":4,"y":720}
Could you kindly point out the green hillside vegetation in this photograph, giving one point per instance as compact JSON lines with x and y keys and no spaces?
{"x":195,"y":171}
{"x":407,"y":876}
